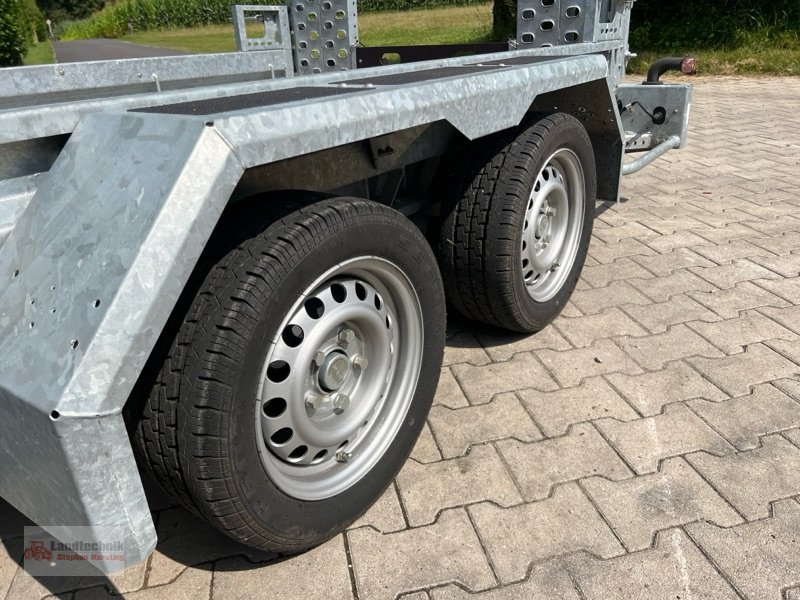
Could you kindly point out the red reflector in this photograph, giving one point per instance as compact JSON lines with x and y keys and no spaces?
{"x":689,"y":65}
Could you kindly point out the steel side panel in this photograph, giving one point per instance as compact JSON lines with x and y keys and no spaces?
{"x":122,"y":218}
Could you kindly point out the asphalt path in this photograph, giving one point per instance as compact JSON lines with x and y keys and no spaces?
{"x":85,"y":50}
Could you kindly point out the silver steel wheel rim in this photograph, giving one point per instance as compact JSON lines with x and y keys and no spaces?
{"x":552,"y":228}
{"x":340,"y":375}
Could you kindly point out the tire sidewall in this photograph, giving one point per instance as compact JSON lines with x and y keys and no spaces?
{"x":571,"y":136}
{"x":316,"y":521}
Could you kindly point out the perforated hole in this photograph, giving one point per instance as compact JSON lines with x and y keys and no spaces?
{"x":327,"y":5}
{"x":293,"y":336}
{"x":329,"y":44}
{"x":340,"y":14}
{"x":341,"y":34}
{"x":278,"y":371}
{"x":378,"y":302}
{"x":301,"y":27}
{"x":313,"y":36}
{"x":275,"y":408}
{"x":342,"y":53}
{"x":298,"y":453}
{"x":314,"y":308}
{"x":312,"y":16}
{"x":331,"y":62}
{"x":299,"y":8}
{"x":319,"y":456}
{"x":282,"y":436}
{"x":339,"y":292}
{"x":15,"y":274}
{"x":547,"y":25}
{"x":548,"y":2}
{"x":328,"y":25}
{"x":528,"y":14}
{"x":96,"y":303}
{"x":74,"y":344}
{"x":361,"y":292}
{"x":527,"y":38}
{"x":571,"y":36}
{"x":315,"y":53}
{"x":573,"y":12}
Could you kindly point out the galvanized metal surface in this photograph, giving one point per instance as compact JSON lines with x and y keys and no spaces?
{"x":91,"y":272}
{"x":640,"y":103}
{"x":637,"y":165}
{"x":261,"y":28}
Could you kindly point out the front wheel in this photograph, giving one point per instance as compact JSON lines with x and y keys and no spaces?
{"x":299,"y":379}
{"x":513,"y":246}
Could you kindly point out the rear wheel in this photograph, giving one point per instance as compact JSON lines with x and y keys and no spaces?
{"x":514,"y":244}
{"x":300,"y":377}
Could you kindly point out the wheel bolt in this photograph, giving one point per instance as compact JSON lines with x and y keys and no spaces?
{"x":554,"y":267}
{"x":346,"y":336}
{"x":319,"y":359}
{"x":343,"y":456}
{"x":341,"y":402}
{"x":315,"y":401}
{"x":362,"y":362}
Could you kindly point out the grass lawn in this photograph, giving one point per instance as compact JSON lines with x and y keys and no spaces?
{"x":451,"y":25}
{"x":40,"y":54}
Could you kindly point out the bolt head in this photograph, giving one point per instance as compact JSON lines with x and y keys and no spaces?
{"x":346,"y":336}
{"x":315,"y":401}
{"x":319,"y":359}
{"x":554,"y":267}
{"x":361,"y":362}
{"x":341,"y":402}
{"x":343,"y":456}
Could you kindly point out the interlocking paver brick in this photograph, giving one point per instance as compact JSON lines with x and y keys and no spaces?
{"x":10,"y":555}
{"x":734,"y":231}
{"x":675,"y":568}
{"x":780,"y":244}
{"x":629,"y":230}
{"x":742,"y":421}
{"x":623,"y":268}
{"x":555,"y":411}
{"x":788,"y":289}
{"x":670,"y":226}
{"x":584,"y":331}
{"x":732,"y":335}
{"x":546,"y":581}
{"x":638,"y":508}
{"x":426,"y":450}
{"x":678,"y":309}
{"x":677,"y":382}
{"x":678,"y":342}
{"x":726,"y":253}
{"x":457,"y":430}
{"x":788,"y":265}
{"x":464,"y":348}
{"x":539,"y":466}
{"x":594,"y":301}
{"x":320,"y":573}
{"x":751,"y":480}
{"x":745,"y":296}
{"x":775,"y":226}
{"x":645,"y":442}
{"x":447,"y":551}
{"x":790,"y":387}
{"x":661,"y":289}
{"x":789,"y":316}
{"x":788,"y":348}
{"x":522,"y":371}
{"x":759,"y":558}
{"x":608,"y":253}
{"x":680,"y":239}
{"x":501,"y":346}
{"x":570,"y":367}
{"x":736,"y":374}
{"x":385,"y":515}
{"x":565,"y":522}
{"x":449,"y":393}
{"x":479,"y":476}
{"x":727,"y":276}
{"x":664,"y":264}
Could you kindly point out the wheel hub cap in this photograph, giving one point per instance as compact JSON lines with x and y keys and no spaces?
{"x":334,"y":372}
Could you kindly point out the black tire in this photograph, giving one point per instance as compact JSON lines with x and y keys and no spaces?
{"x":196,"y":428}
{"x":481,"y":237}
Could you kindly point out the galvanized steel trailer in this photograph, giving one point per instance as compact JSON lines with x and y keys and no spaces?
{"x":198,"y":254}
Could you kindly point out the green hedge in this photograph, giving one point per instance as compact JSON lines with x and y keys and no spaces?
{"x":112,"y":21}
{"x":665,"y":24}
{"x":21,"y":25}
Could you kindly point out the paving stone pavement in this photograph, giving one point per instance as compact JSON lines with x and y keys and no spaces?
{"x":646,"y":445}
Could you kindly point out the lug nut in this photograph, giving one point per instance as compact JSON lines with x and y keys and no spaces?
{"x":362,"y":362}
{"x":341,"y":401}
{"x":343,"y":456}
{"x":554,"y":267}
{"x":346,"y":336}
{"x":315,"y":401}
{"x":319,"y":359}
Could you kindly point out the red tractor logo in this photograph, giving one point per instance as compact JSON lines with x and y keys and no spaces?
{"x":38,"y":551}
